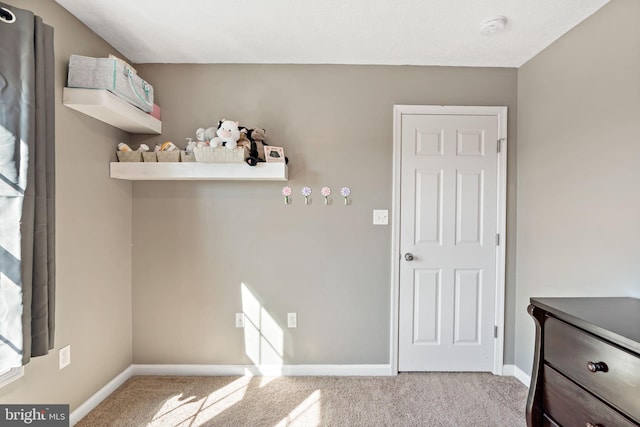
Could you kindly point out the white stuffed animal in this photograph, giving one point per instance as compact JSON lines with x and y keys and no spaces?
{"x":204,"y":136}
{"x":228,"y":135}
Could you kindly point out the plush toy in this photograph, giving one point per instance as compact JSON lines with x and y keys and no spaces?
{"x":244,"y":139}
{"x":258,"y":135}
{"x":210,"y":133}
{"x":204,"y":136}
{"x":256,"y":149}
{"x":228,"y":135}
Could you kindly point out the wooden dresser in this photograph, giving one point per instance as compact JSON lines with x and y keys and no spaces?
{"x":586,"y":368}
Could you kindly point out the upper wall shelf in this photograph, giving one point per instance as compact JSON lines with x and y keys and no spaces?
{"x":106,"y":107}
{"x":194,"y":171}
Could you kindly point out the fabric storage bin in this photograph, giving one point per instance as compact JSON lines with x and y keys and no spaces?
{"x":149,"y":156}
{"x":168,"y":156}
{"x":111,"y":74}
{"x":221,"y":154}
{"x":155,"y":111}
{"x":187,"y":157}
{"x":129,"y":156}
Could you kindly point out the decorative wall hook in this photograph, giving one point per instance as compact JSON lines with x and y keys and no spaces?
{"x":286,"y":192}
{"x":306,"y":192}
{"x":326,"y":192}
{"x":345,"y":191}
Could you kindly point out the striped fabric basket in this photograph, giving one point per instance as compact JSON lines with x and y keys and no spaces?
{"x":129,"y":156}
{"x":221,"y":154}
{"x":111,"y":74}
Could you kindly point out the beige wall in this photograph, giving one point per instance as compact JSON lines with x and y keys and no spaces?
{"x":195,"y":243}
{"x":93,"y":221}
{"x":578,"y":166}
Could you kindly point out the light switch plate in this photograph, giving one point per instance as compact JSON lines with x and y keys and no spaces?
{"x":380,"y":217}
{"x":64,"y":357}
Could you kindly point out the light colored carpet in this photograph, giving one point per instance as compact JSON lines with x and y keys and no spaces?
{"x":409,"y":399}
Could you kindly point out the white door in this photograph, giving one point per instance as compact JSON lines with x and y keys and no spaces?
{"x":448,"y":240}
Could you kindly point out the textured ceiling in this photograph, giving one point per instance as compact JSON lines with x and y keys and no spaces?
{"x":394,"y":32}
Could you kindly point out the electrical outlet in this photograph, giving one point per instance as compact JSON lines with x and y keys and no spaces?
{"x":292,"y":320}
{"x":239,"y":320}
{"x":64,"y":357}
{"x":380,"y":217}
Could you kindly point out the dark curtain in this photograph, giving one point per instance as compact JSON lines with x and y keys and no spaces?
{"x":27,"y":184}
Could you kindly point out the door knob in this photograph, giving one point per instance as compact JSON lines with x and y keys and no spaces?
{"x":408,"y":256}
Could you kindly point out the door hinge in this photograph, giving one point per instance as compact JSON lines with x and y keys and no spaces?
{"x":500,"y":140}
{"x":497,"y":239}
{"x":495,"y":332}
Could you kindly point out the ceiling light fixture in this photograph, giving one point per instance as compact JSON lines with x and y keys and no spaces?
{"x":493,"y":25}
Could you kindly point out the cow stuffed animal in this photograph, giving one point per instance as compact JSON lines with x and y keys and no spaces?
{"x":228,"y":135}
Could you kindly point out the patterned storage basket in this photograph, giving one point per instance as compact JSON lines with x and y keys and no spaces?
{"x":129,"y":156}
{"x":187,"y":157}
{"x":168,"y":156}
{"x":221,"y":154}
{"x":111,"y":74}
{"x":149,"y":156}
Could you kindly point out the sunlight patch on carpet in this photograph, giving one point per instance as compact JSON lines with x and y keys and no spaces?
{"x":265,"y":380}
{"x":196,"y":412}
{"x":307,"y":413}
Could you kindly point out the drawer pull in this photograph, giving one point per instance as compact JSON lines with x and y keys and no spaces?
{"x":597,"y":367}
{"x":593,"y":425}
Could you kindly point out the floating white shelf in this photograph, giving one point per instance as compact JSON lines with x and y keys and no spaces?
{"x":194,"y":171}
{"x":106,"y":107}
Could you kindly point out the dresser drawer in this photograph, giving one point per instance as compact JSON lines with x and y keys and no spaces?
{"x":569,"y":350}
{"x":569,"y":405}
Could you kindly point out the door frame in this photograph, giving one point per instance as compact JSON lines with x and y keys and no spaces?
{"x":501,"y":113}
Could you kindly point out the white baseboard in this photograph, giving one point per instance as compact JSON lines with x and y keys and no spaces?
{"x":102,"y":394}
{"x":521,"y":375}
{"x":507,"y":370}
{"x":264,"y":370}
